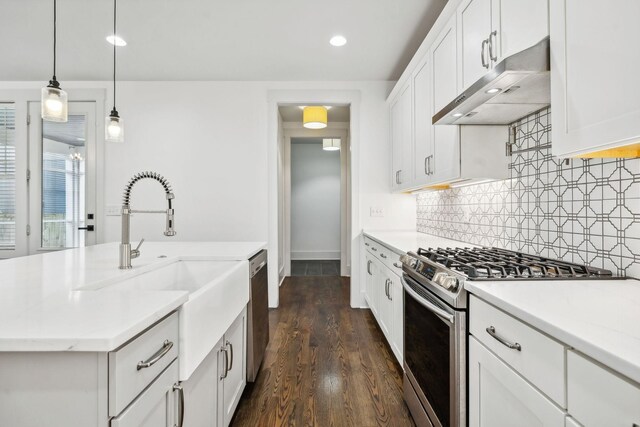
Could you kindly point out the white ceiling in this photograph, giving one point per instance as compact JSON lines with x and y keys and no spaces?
{"x":215,"y":39}
{"x":293,"y":113}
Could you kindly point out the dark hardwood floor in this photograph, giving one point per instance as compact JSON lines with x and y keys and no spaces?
{"x":326,"y":364}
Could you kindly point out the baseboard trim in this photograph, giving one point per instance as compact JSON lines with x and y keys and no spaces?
{"x":315,"y":255}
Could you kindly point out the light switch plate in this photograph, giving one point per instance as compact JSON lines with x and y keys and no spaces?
{"x":376,"y":211}
{"x":113,"y":210}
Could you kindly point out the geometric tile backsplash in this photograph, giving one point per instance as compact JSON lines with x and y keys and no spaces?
{"x":585,"y":211}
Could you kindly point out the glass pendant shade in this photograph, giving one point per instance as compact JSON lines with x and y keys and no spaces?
{"x":331,"y":144}
{"x":314,"y":117}
{"x":54,"y":104}
{"x":114,"y":128}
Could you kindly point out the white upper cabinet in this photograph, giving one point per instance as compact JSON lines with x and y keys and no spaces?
{"x":446,"y":139}
{"x":402,"y":139}
{"x":491,"y":30}
{"x":422,"y":129}
{"x":517,"y":25}
{"x":474,"y":27}
{"x":594,"y":76}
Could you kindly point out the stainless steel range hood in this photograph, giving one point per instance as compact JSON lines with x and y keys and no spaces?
{"x":515,"y":88}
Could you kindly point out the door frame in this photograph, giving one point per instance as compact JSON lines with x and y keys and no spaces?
{"x":21,"y":99}
{"x":275,"y":98}
{"x":335,"y":130}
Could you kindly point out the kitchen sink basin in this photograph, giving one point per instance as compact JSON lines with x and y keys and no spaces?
{"x":218,"y":292}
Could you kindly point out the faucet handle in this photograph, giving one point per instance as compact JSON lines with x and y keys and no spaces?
{"x":135,"y":253}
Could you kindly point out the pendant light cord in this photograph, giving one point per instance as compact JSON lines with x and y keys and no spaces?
{"x":114,"y":53}
{"x":55,"y":8}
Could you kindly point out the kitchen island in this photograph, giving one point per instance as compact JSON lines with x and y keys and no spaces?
{"x":89,"y":344}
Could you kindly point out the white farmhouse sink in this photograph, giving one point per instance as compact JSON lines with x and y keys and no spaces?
{"x":218,"y":292}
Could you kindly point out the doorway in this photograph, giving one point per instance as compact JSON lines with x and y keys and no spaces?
{"x":48,"y":176}
{"x":315,"y":208}
{"x":314,"y":195}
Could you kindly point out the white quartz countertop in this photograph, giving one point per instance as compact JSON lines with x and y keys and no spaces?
{"x":405,"y":241}
{"x":60,"y":301}
{"x":600,"y":318}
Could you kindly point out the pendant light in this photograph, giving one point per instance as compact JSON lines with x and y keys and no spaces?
{"x":114,"y":126}
{"x":331,"y":144}
{"x":53,"y":100}
{"x":314,"y":117}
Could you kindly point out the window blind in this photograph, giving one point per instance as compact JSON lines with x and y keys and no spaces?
{"x":7,"y":176}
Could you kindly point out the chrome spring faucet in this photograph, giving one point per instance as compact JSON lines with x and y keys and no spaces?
{"x":126,"y":253}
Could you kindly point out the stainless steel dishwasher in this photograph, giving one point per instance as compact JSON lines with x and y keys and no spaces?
{"x":258,"y":314}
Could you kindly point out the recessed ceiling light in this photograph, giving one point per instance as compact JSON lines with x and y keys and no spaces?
{"x":116,"y":40}
{"x":493,"y":90}
{"x":457,"y":114}
{"x":338,"y":41}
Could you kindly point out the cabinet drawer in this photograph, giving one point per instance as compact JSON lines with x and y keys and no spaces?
{"x":599,"y":397}
{"x":154,"y":407}
{"x":539,"y":358}
{"x":384,"y":254}
{"x":127,"y":375}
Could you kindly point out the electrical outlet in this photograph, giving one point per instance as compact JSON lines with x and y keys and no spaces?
{"x":113,"y":210}
{"x":376,"y":211}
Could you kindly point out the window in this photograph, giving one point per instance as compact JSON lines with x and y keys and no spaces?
{"x":7,"y":176}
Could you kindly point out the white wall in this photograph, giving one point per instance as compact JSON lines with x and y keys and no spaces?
{"x":315,"y":200}
{"x":210,"y":140}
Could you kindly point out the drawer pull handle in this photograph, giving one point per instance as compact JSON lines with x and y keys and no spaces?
{"x":383,"y":255}
{"x":514,"y":346}
{"x":181,"y":404}
{"x":396,"y":265}
{"x":374,"y":249}
{"x":166,"y":346}
{"x":230,"y":357}
{"x":366,"y":244}
{"x":226,"y":363}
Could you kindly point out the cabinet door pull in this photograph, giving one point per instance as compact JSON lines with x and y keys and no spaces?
{"x":226,"y":363}
{"x":389,"y":290}
{"x":426,"y":165}
{"x":485,"y":42}
{"x":230,"y":357}
{"x":181,"y":404}
{"x":369,"y":267}
{"x":492,"y":37}
{"x":166,"y":346}
{"x":514,"y":346}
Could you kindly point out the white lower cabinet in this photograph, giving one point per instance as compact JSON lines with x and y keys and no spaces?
{"x":599,"y":397}
{"x":384,"y":293}
{"x":201,"y":392}
{"x":397,"y":292}
{"x":233,"y":375}
{"x":212,"y":392}
{"x":499,"y":397}
{"x":370,"y":286}
{"x":155,"y":406}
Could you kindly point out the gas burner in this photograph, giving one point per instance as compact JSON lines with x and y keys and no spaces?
{"x":503,"y":264}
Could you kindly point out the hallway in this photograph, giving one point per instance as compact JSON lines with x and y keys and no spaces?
{"x":326,"y":364}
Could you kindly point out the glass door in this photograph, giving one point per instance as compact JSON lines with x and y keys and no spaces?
{"x":62,"y":185}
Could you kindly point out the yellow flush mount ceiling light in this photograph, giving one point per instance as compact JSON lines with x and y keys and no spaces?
{"x":314,"y":117}
{"x":331,"y":144}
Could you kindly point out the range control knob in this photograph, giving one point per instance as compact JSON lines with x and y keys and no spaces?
{"x":408,"y":260}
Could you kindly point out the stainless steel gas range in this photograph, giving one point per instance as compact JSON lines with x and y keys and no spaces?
{"x":435,"y":320}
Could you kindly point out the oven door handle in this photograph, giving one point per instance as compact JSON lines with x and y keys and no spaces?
{"x":448,"y":317}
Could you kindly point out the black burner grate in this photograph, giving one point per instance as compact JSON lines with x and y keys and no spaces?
{"x":495,"y":263}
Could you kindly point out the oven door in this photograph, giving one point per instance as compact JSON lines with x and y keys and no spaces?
{"x":435,"y":354}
